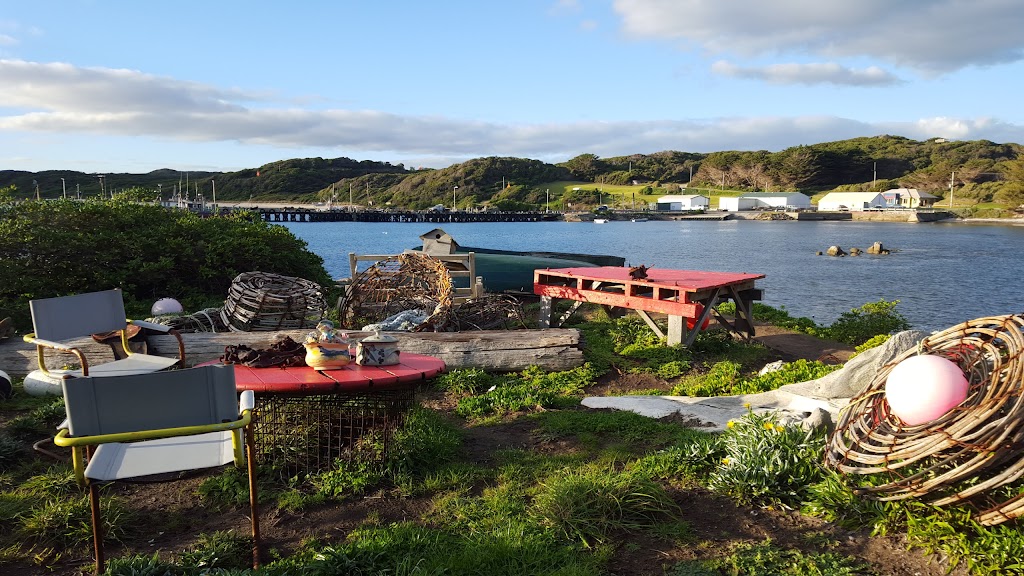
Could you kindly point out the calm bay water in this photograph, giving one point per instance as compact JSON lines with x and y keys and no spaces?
{"x":942,"y":274}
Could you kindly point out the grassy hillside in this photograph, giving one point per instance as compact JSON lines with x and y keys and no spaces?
{"x":981,"y":172}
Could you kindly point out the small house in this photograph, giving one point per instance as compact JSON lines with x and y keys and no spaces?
{"x":683,"y":202}
{"x":909,"y":198}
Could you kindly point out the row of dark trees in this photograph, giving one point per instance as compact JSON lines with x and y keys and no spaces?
{"x":982,"y":170}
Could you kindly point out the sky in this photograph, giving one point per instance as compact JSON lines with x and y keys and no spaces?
{"x":115,"y":86}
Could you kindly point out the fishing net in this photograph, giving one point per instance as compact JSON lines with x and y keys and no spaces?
{"x":966,"y":455}
{"x":399,"y":284}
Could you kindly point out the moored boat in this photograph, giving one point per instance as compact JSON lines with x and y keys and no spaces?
{"x":511,"y":270}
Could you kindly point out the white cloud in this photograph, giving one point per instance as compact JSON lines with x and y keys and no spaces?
{"x":6,"y":40}
{"x":815,"y":73}
{"x":62,"y":99}
{"x":932,"y":36}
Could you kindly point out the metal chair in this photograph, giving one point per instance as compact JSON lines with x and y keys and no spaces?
{"x":55,"y":320}
{"x":149,"y":426}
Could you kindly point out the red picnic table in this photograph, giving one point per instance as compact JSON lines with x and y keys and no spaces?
{"x":688,"y":297}
{"x":306,"y":418}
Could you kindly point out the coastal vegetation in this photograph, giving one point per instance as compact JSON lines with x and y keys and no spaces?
{"x":64,"y":247}
{"x":498,"y":473}
{"x":969,"y":175}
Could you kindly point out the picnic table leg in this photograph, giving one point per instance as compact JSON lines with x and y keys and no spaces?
{"x":676,"y":330}
{"x":547,"y":309}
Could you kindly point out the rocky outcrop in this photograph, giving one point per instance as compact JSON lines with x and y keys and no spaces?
{"x":877,"y":248}
{"x":835,"y":251}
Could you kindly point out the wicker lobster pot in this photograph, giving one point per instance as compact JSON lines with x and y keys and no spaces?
{"x":396,"y":284}
{"x":964,"y":455}
{"x":261,"y":301}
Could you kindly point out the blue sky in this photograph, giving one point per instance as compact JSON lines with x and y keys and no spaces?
{"x":128,"y":86}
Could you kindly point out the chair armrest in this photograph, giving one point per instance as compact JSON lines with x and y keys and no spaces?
{"x":165,"y":329}
{"x":31,"y":339}
{"x":63,"y":438}
{"x":247,"y":401}
{"x":151,"y":325}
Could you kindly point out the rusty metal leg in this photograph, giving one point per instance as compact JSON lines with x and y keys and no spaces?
{"x":254,"y":506}
{"x":97,"y":527}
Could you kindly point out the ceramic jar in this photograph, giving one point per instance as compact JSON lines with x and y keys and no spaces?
{"x":377,"y":350}
{"x":327,"y":355}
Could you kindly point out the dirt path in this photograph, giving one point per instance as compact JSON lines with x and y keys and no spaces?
{"x":795,"y":345}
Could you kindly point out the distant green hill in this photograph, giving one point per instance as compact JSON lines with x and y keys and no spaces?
{"x":980,"y":172}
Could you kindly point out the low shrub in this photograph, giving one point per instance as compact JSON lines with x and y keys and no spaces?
{"x":766,"y":461}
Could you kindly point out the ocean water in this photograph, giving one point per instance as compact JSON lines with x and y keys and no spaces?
{"x":942,"y":273}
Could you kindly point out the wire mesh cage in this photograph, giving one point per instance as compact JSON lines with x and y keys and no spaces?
{"x":307,"y":434}
{"x":964,"y":456}
{"x":261,"y":301}
{"x":400,"y":283}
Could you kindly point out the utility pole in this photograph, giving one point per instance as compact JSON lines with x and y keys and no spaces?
{"x":214,"y":184}
{"x":874,"y":176}
{"x":64,"y":188}
{"x":951,"y":188}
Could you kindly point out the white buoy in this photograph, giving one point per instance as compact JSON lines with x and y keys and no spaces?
{"x":167,"y":306}
{"x":37,"y":383}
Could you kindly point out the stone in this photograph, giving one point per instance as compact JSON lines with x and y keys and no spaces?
{"x":835,"y":251}
{"x":877,"y":248}
{"x":855,"y":252}
{"x":771,"y":367}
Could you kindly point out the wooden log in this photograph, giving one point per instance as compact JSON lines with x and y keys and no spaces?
{"x":18,"y":357}
{"x":493,"y":350}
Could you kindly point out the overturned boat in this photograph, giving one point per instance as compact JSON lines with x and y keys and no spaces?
{"x":509,"y":270}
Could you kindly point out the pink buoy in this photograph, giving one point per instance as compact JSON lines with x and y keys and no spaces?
{"x":923,"y":388}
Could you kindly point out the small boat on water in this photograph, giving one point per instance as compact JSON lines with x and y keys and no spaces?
{"x":600,"y":220}
{"x":639,"y":219}
{"x":510,"y":270}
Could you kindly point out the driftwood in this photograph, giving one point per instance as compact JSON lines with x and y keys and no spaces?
{"x":495,"y":350}
{"x":501,"y":350}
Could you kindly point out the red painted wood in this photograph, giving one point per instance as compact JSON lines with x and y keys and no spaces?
{"x":673,"y":292}
{"x":411,"y":369}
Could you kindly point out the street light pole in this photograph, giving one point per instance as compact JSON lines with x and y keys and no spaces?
{"x":64,"y":188}
{"x":547,"y":200}
{"x":454,"y":190}
{"x":951,"y":188}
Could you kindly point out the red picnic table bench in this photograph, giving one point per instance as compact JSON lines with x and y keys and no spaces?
{"x":688,"y":297}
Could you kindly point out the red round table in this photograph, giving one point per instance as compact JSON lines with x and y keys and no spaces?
{"x":305,"y":419}
{"x":412,"y":369}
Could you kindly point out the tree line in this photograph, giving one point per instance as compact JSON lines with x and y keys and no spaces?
{"x":979,"y":170}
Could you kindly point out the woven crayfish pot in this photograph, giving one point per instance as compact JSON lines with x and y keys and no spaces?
{"x":261,"y":301}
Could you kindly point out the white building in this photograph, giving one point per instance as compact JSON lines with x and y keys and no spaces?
{"x":765,"y":201}
{"x":850,"y":201}
{"x":683,"y":202}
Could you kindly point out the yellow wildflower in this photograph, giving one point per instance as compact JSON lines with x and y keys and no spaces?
{"x":746,"y":405}
{"x":769,"y":426}
{"x":725,"y":461}
{"x":730,"y":424}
